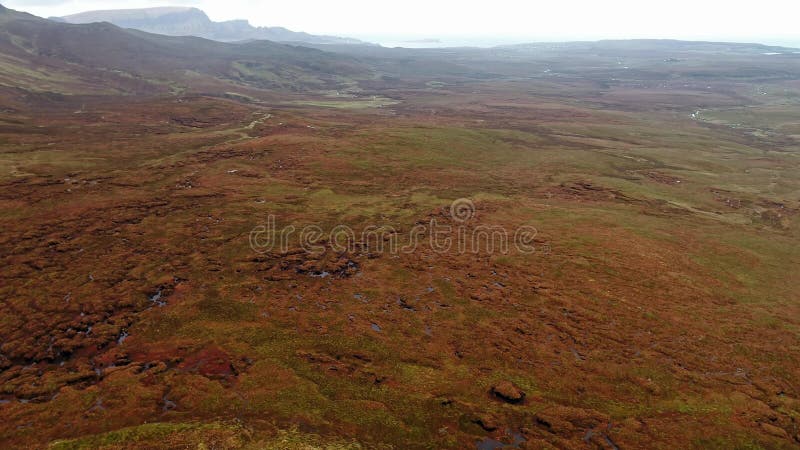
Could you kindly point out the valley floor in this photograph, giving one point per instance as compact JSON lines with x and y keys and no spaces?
{"x":658,"y":308}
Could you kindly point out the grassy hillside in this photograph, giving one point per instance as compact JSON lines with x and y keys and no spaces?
{"x":46,"y":56}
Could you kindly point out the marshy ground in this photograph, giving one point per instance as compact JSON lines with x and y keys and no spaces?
{"x":660,"y":309}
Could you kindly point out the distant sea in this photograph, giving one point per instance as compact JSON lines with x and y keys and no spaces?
{"x":435,"y":42}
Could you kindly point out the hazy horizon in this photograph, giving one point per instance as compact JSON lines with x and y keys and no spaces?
{"x":481,"y":24}
{"x":432,"y":41}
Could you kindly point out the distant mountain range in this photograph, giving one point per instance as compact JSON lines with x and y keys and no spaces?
{"x":44,"y":58}
{"x":187,"y":21}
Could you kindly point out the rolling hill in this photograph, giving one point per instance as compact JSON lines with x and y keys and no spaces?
{"x":39,"y":55}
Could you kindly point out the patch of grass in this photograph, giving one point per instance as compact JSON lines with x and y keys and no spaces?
{"x":219,"y":309}
{"x":296,"y":440}
{"x":161,"y":435}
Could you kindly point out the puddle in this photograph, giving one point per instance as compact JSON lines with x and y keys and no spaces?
{"x":157,"y":299}
{"x":169,"y":404}
{"x":401,"y":302}
{"x":98,"y":406}
{"x":591,"y":433}
{"x":122,"y":336}
{"x":489,"y":444}
{"x":577,"y":355}
{"x":376,"y":327}
{"x":320,"y":274}
{"x":494,"y":444}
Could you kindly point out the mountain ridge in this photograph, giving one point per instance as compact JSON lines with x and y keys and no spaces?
{"x":40,"y":55}
{"x":190,"y":21}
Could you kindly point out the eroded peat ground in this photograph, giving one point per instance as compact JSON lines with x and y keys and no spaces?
{"x":658,"y":310}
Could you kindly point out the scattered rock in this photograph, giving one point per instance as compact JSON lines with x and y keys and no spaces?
{"x":508,"y":392}
{"x":565,"y":420}
{"x":486,"y":422}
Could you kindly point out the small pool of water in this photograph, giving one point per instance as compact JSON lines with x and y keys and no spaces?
{"x":157,"y":299}
{"x":494,"y":444}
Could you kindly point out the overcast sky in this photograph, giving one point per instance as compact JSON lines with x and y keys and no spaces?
{"x":768,"y":21}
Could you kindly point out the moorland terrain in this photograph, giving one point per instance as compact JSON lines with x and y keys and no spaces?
{"x":658,"y":310}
